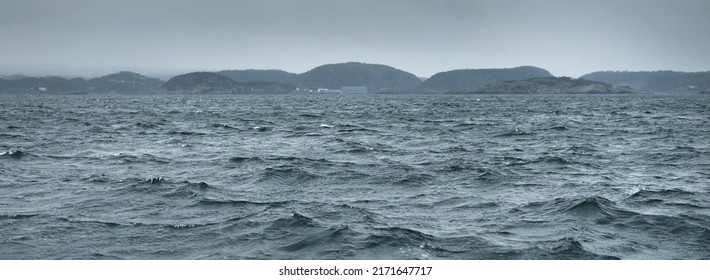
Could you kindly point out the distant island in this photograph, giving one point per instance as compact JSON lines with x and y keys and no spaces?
{"x":549,"y":85}
{"x":201,"y":83}
{"x":355,"y":77}
{"x":656,"y":81}
{"x":373,"y":77}
{"x":208,"y":82}
{"x":124,"y":82}
{"x":476,"y":78}
{"x":261,"y":76}
{"x":121,"y":82}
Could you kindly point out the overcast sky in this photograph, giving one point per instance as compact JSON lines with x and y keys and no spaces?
{"x":566,"y":37}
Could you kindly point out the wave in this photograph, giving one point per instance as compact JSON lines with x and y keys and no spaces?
{"x":14,"y":154}
{"x":13,"y":136}
{"x":177,"y":223}
{"x":670,"y":197}
{"x":611,"y":221}
{"x":114,"y":224}
{"x":413,"y":244}
{"x":286,"y":175}
{"x":334,"y":243}
{"x":311,"y":115}
{"x":97,"y":178}
{"x":553,"y":160}
{"x":488,"y":174}
{"x":514,"y":133}
{"x":397,"y":237}
{"x":158,"y":188}
{"x":467,"y":125}
{"x":599,"y":209}
{"x":472,"y":205}
{"x":142,"y":124}
{"x":415,"y":180}
{"x":356,"y":129}
{"x":118,"y":158}
{"x":667,"y":193}
{"x":466,"y":247}
{"x":671,"y":158}
{"x":186,"y":133}
{"x":292,"y":168}
{"x":125,"y":182}
{"x":240,"y":159}
{"x":581,"y":150}
{"x":567,"y":248}
{"x":187,"y":225}
{"x":243,"y":203}
{"x":511,"y":161}
{"x":295,"y":159}
{"x":594,"y":207}
{"x":479,"y":173}
{"x":221,"y":125}
{"x":692,"y":229}
{"x":98,"y":222}
{"x":455,"y":166}
{"x":295,"y":222}
{"x":548,"y":160}
{"x":262,"y":128}
{"x":355,"y":149}
{"x":450,"y":150}
{"x":343,"y":146}
{"x":16,"y":216}
{"x":139,"y":158}
{"x":557,"y":128}
{"x":185,"y":189}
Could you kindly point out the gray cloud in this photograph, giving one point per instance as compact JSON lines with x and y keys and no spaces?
{"x":424,"y":37}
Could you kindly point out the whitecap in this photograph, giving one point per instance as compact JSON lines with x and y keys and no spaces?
{"x":635,"y":190}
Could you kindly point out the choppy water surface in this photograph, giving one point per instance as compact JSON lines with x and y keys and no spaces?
{"x":354,"y":177}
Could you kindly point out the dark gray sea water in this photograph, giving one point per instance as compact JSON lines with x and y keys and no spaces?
{"x":355,"y":177}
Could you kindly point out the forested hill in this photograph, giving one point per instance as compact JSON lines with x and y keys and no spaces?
{"x":549,"y":85}
{"x":51,"y":84}
{"x":476,"y":78}
{"x":201,"y":83}
{"x":124,"y":82}
{"x":252,"y":75}
{"x":655,"y":81}
{"x":375,"y":77}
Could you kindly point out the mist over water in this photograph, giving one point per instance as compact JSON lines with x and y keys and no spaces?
{"x":355,"y":177}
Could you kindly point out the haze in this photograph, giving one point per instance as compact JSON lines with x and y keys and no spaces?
{"x":162,"y":37}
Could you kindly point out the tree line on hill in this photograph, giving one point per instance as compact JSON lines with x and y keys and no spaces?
{"x":656,"y":81}
{"x":374,"y":78}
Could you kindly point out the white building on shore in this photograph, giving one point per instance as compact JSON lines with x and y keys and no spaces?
{"x":325,"y":90}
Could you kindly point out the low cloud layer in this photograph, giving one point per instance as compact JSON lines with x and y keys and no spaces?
{"x":78,"y":37}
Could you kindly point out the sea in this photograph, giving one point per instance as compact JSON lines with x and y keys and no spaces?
{"x":354,"y":176}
